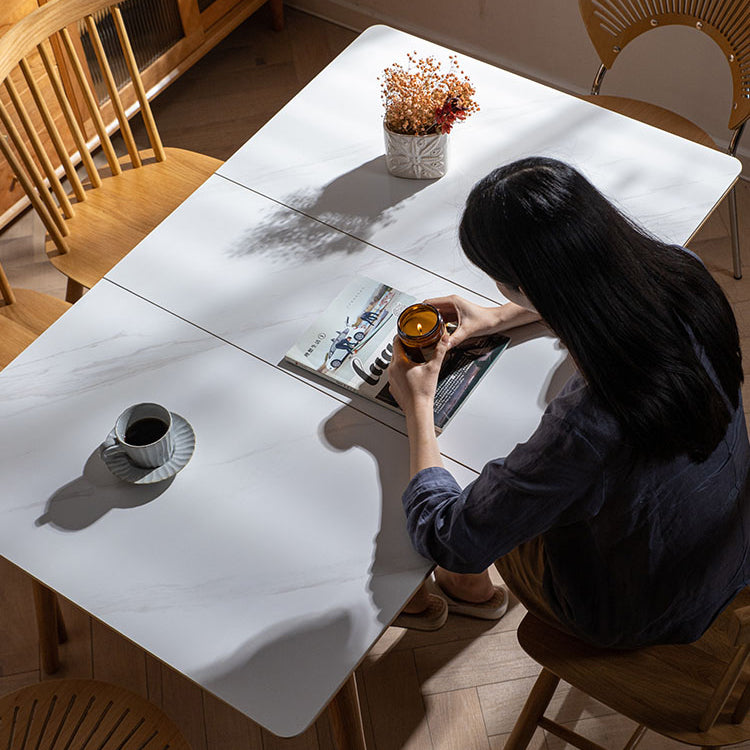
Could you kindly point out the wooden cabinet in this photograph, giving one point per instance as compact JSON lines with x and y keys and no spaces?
{"x":168,"y":37}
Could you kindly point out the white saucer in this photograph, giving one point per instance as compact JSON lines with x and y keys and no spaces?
{"x":184,"y":445}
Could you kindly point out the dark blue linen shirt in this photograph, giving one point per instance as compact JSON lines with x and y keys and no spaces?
{"x":636,"y":551}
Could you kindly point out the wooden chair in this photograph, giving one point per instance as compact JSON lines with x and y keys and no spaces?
{"x":24,"y":314}
{"x":612,"y":24}
{"x":697,"y":693}
{"x":78,"y":714}
{"x":49,"y":109}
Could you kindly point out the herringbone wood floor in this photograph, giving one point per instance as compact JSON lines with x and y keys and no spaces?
{"x":458,"y":689}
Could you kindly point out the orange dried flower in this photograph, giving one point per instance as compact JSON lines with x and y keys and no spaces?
{"x":421,"y":99}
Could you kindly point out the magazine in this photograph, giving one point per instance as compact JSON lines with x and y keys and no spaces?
{"x":350,"y":344}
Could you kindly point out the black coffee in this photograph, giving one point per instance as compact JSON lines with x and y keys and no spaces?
{"x":145,"y":431}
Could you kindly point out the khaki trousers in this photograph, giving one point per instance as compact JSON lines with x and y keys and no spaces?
{"x":522,"y":569}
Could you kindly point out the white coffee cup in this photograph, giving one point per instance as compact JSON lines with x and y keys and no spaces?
{"x":143,"y":432}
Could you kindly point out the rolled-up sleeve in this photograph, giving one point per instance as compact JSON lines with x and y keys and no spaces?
{"x":542,"y":483}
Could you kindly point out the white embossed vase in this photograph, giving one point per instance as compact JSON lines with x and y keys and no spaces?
{"x":419,"y":157}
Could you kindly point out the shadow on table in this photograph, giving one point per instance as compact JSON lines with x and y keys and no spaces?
{"x":279,"y":694}
{"x":86,"y":499}
{"x":393,"y":556}
{"x":354,"y":203}
{"x":562,"y":371}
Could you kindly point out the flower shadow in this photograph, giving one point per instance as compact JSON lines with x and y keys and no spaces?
{"x":356,"y":203}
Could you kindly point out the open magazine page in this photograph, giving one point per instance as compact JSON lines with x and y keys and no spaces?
{"x":350,"y":342}
{"x":462,"y":369}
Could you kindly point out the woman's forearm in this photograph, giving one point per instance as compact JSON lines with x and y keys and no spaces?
{"x":511,"y":315}
{"x":423,"y":446}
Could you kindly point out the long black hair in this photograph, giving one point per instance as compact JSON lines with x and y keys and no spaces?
{"x":633,"y":312}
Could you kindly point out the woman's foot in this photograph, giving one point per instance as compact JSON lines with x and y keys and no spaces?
{"x":424,"y":611}
{"x":469,"y":587}
{"x":472,"y":595}
{"x":419,"y":602}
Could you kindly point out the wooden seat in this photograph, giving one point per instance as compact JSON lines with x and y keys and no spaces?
{"x":78,"y":714}
{"x":24,"y":314}
{"x":612,"y":24}
{"x":117,"y":216}
{"x":697,"y":693}
{"x":657,"y":116}
{"x":55,"y":101}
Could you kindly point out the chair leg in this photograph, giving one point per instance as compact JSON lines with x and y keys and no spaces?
{"x":734,"y":234}
{"x":49,"y":625}
{"x":73,"y":292}
{"x":742,"y":706}
{"x":636,"y":737}
{"x":345,"y":718}
{"x":538,"y":700}
{"x":277,"y":14}
{"x":62,"y":631}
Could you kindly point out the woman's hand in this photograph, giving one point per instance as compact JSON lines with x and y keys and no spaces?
{"x":413,"y":384}
{"x":474,"y":320}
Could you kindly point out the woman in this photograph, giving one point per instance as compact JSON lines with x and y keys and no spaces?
{"x":624,"y":518}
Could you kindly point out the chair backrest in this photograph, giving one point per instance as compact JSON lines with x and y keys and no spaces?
{"x":612,"y":24}
{"x":82,"y":715}
{"x":49,"y":107}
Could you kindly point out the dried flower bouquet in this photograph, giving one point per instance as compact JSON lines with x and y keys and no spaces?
{"x":422,"y":100}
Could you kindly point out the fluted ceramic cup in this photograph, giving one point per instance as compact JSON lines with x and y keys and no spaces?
{"x":143,"y":432}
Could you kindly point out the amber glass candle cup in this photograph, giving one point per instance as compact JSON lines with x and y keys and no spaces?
{"x":420,"y":328}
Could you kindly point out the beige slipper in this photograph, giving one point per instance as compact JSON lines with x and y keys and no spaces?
{"x":493,"y":609}
{"x":433,"y":617}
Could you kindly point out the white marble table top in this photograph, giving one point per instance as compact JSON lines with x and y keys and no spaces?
{"x":267,"y":567}
{"x":323,"y":154}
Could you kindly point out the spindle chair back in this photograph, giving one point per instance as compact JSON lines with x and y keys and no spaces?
{"x":53,"y":116}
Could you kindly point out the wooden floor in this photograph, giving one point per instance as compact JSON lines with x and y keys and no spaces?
{"x":457,"y":689}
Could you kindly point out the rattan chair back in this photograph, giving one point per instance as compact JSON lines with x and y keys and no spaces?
{"x":613,"y":24}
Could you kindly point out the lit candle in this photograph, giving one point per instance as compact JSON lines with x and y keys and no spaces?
{"x":420,"y":328}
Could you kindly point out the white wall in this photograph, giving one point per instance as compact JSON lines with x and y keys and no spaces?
{"x":676,"y":67}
